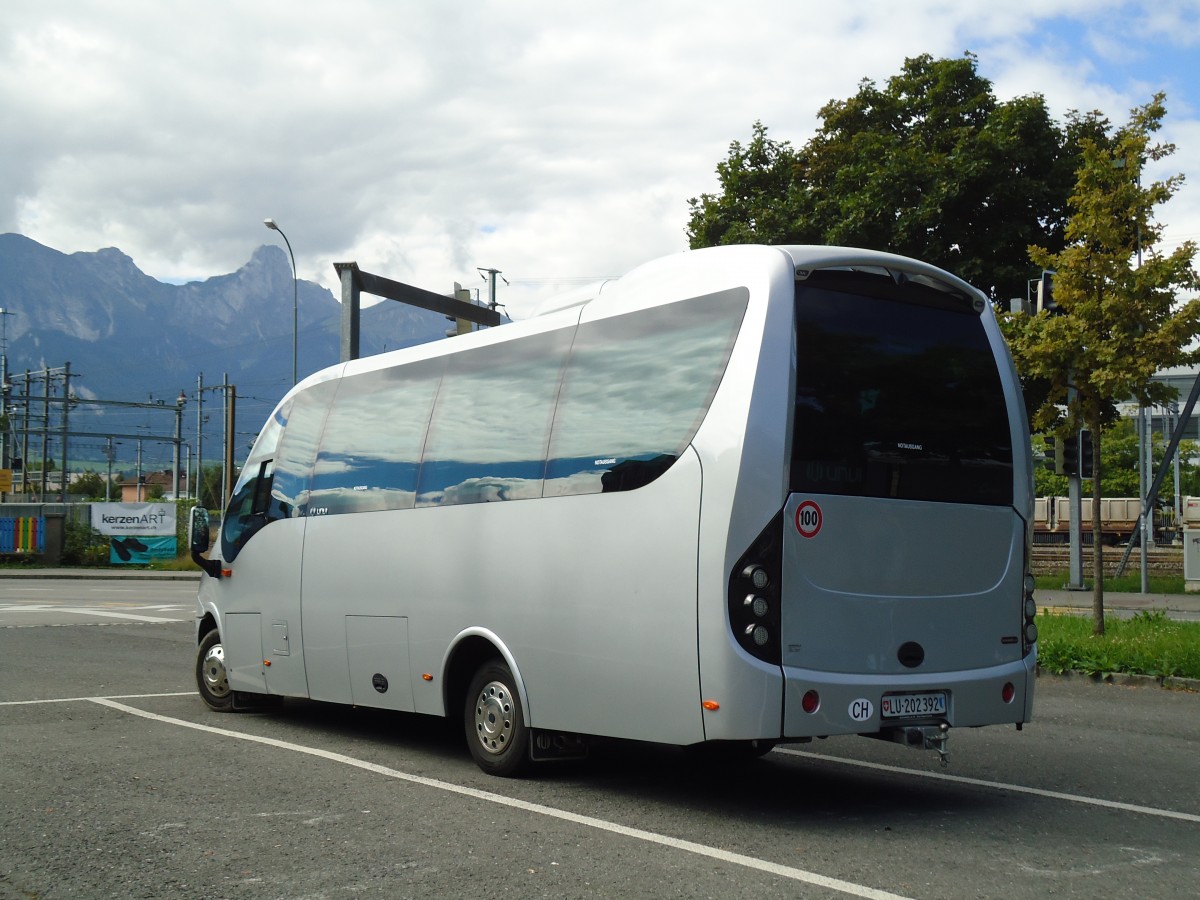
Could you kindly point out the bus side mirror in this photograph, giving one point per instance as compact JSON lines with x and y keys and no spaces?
{"x":198,"y":541}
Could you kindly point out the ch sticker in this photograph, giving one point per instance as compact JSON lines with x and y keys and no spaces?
{"x":861,"y":709}
{"x":808,"y":519}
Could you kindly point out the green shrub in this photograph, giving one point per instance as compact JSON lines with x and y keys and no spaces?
{"x":83,"y":546}
{"x":1148,"y":644}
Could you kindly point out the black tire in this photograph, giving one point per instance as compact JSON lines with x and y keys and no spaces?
{"x":211,"y":677}
{"x":494,"y":722}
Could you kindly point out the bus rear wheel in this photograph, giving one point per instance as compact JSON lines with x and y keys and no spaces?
{"x":495,"y":723}
{"x":211,"y":677}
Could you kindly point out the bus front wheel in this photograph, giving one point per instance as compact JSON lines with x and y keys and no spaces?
{"x":494,"y":722}
{"x":211,"y":677}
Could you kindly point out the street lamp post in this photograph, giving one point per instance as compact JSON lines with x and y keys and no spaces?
{"x":270,"y":223}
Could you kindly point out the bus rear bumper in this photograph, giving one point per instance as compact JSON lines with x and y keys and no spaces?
{"x":819,"y":704}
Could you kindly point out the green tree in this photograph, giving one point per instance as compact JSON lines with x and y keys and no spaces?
{"x":931,"y":166}
{"x":756,"y":204}
{"x":90,"y":485}
{"x":1122,"y":321}
{"x":210,"y":488}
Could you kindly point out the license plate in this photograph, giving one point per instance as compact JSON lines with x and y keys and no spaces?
{"x":904,"y":706}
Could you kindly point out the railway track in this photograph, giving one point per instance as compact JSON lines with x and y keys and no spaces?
{"x":1056,"y":558}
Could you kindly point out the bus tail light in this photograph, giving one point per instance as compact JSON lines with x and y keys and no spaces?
{"x":1029,"y":631}
{"x":1008,"y":692}
{"x":810,"y":702}
{"x":754,"y":594}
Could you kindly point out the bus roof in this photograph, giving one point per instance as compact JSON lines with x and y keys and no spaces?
{"x":804,"y":259}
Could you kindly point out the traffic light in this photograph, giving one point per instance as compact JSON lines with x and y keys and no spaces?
{"x":1070,"y":457}
{"x":1086,"y":457}
{"x":1045,"y":294}
{"x":1055,"y":460}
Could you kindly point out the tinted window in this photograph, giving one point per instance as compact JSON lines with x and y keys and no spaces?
{"x":898,"y":394}
{"x":268,"y":439}
{"x":491,"y":421}
{"x":636,"y":389}
{"x":297,"y":452}
{"x":371,"y":447}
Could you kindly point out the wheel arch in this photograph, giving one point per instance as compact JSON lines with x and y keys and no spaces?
{"x":468,"y":652}
{"x":205,"y":624}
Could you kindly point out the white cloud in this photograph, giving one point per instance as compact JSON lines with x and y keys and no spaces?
{"x":549,"y":140}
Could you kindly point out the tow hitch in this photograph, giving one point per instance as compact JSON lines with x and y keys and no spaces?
{"x":925,"y":737}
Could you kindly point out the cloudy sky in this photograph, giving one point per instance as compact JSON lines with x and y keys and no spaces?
{"x":555,"y":141}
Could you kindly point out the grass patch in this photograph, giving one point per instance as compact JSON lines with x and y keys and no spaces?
{"x":1147,"y":644}
{"x":1129,"y":583}
{"x":178,"y":564}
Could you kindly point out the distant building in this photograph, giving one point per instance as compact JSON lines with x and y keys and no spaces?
{"x":133,"y":492}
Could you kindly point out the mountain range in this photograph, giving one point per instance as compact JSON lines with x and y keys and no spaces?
{"x":131,"y":338}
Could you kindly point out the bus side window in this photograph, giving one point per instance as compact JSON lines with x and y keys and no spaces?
{"x":491,"y":422}
{"x":370,"y":449}
{"x":247,"y":511}
{"x":636,"y":389}
{"x":298,"y":452}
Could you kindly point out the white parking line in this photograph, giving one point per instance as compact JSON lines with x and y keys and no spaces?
{"x":750,"y":862}
{"x":89,"y":611}
{"x":998,"y":785}
{"x":95,"y":699}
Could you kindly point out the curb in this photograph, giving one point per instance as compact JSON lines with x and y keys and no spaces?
{"x":1167,"y":682}
{"x":96,"y":574}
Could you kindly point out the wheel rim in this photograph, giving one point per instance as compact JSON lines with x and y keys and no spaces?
{"x":212,"y":670}
{"x":494,"y":717}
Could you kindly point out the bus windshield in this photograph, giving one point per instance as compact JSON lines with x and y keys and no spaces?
{"x":898,"y":394}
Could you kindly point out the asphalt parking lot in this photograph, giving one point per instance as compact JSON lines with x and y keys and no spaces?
{"x":119,"y":783}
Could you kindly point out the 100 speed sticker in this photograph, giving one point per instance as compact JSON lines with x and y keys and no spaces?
{"x":809,"y":519}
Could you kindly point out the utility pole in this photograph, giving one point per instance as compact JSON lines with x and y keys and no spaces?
{"x":66,"y":404}
{"x":45,"y":431}
{"x":226,"y":467}
{"x":25,"y":440}
{"x":1075,"y":498}
{"x":230,"y":419}
{"x":179,"y":403}
{"x":5,"y":387}
{"x":489,"y":275}
{"x":199,"y":436}
{"x":108,"y":483}
{"x":1145,"y":476}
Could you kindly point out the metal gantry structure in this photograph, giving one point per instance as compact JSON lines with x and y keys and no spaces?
{"x":32,"y":420}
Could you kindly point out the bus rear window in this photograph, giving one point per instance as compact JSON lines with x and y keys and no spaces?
{"x":897,"y":394}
